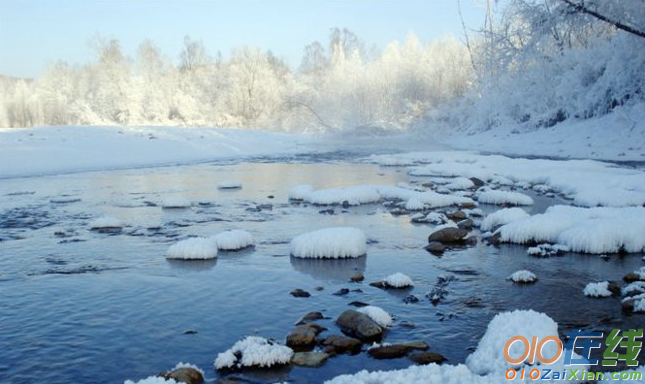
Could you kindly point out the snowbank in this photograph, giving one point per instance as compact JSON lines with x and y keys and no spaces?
{"x":172,"y":202}
{"x":195,"y":248}
{"x":377,"y":314}
{"x":501,"y":217}
{"x":504,"y":197}
{"x":600,"y":289}
{"x":106,"y":222}
{"x":523,"y":277}
{"x":253,"y":351}
{"x":333,"y":243}
{"x":588,"y":230}
{"x":233,"y":240}
{"x":229,"y":184}
{"x":398,"y":280}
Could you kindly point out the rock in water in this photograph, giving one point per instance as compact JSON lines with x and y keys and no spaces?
{"x":303,"y":337}
{"x":185,"y":375}
{"x":448,"y":235}
{"x":427,"y":358}
{"x":359,"y":325}
{"x":311,"y":316}
{"x":300,"y":293}
{"x":395,"y":351}
{"x":435,"y":248}
{"x":309,"y":359}
{"x":341,"y":344}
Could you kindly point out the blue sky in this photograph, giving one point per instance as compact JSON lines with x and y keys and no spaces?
{"x":36,"y":34}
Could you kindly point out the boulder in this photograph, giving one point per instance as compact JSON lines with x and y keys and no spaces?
{"x":357,"y":278}
{"x":342,"y":344}
{"x":424,"y":358}
{"x":448,"y":235}
{"x":186,"y":375}
{"x":309,"y":317}
{"x":309,"y":359}
{"x":300,"y":293}
{"x":632,"y":276}
{"x":457,"y":215}
{"x":465,"y":224}
{"x":359,"y":325}
{"x":478,"y":182}
{"x":435,"y":247}
{"x":303,"y":337}
{"x":395,"y":351}
{"x":613,"y":288}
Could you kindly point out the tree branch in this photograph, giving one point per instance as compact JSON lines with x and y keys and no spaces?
{"x":581,"y":8}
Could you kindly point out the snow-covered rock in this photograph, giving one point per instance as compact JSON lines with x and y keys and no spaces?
{"x":523,"y":277}
{"x":195,"y":248}
{"x":355,"y":195}
{"x":546,"y":250}
{"x":106,"y":222}
{"x":502,"y":216}
{"x":253,"y":351}
{"x":229,"y":184}
{"x":380,"y":316}
{"x":600,"y":289}
{"x":175,"y":202}
{"x":398,"y":280}
{"x":504,"y":197}
{"x":335,"y":242}
{"x":233,"y":240}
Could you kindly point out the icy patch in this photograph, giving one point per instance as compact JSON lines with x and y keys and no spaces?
{"x":195,"y":248}
{"x":398,"y":280}
{"x":233,"y":240}
{"x":588,"y":230}
{"x":501,"y":217}
{"x":334,"y":243}
{"x":254,"y":351}
{"x":229,"y":184}
{"x":504,"y":197}
{"x":377,"y":314}
{"x":106,"y":222}
{"x":523,"y":277}
{"x":546,"y":250}
{"x":152,"y":380}
{"x":600,"y":289}
{"x":175,"y":202}
{"x":300,"y":192}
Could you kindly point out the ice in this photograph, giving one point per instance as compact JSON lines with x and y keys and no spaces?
{"x":355,"y":195}
{"x":546,"y":250}
{"x":398,"y":280}
{"x":501,"y":217}
{"x":588,"y":230}
{"x":380,"y":316}
{"x":233,"y":240}
{"x":175,"y":202}
{"x":600,"y":289}
{"x":333,"y":243}
{"x":195,"y":248}
{"x":300,"y":192}
{"x":229,"y":184}
{"x":106,"y":222}
{"x":523,"y":276}
{"x":504,"y":197}
{"x":255,"y":351}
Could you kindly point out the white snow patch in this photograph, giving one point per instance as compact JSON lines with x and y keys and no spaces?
{"x":256,"y":352}
{"x":634,"y":287}
{"x":546,"y":250}
{"x":188,"y":365}
{"x":229,"y":184}
{"x":355,"y":195}
{"x":335,"y":242}
{"x":106,"y":222}
{"x":195,"y":248}
{"x":398,"y":280}
{"x":300,"y":192}
{"x":503,"y":216}
{"x":523,"y":276}
{"x":504,"y":197}
{"x":600,"y":289}
{"x":460,"y":183}
{"x":175,"y":202}
{"x":152,"y":380}
{"x":233,"y":240}
{"x":380,"y":316}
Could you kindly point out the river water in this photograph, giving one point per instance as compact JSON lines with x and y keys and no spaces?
{"x":80,"y":306}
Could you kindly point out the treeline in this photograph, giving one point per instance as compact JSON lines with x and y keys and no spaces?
{"x":532,"y":63}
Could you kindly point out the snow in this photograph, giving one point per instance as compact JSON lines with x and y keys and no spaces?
{"x":634,"y":287}
{"x":486,"y":365}
{"x":229,"y":184}
{"x":334,"y":243}
{"x":195,"y":248}
{"x":152,"y":380}
{"x":398,"y":280}
{"x":355,"y":195}
{"x":66,"y":149}
{"x":256,"y":352}
{"x":504,"y":197}
{"x":233,"y":240}
{"x":188,"y":365}
{"x":175,"y":202}
{"x":600,"y":289}
{"x":523,"y":276}
{"x":105,"y":222}
{"x":587,"y":230}
{"x":501,"y":217}
{"x":460,"y":183}
{"x":300,"y":192}
{"x":546,"y":250}
{"x":380,"y":316}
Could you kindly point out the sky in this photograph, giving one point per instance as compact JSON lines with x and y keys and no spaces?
{"x":36,"y":34}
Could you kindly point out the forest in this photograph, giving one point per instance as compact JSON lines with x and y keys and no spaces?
{"x":530,"y":64}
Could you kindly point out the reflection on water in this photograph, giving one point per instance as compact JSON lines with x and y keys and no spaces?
{"x":193,"y":265}
{"x":333,"y":270}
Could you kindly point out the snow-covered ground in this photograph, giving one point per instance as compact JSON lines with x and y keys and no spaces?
{"x":51,"y":150}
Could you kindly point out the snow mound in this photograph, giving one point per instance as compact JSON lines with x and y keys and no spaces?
{"x":503,"y":216}
{"x":106,"y":222}
{"x":300,"y":192}
{"x":233,"y":240}
{"x":229,"y":184}
{"x":523,"y":277}
{"x":546,"y":250}
{"x":587,"y":230}
{"x":504,"y":197}
{"x":333,"y":243}
{"x":377,"y":314}
{"x":253,"y":351}
{"x":460,"y":183}
{"x":398,"y":280}
{"x":175,"y":202}
{"x":600,"y":289}
{"x":195,"y":248}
